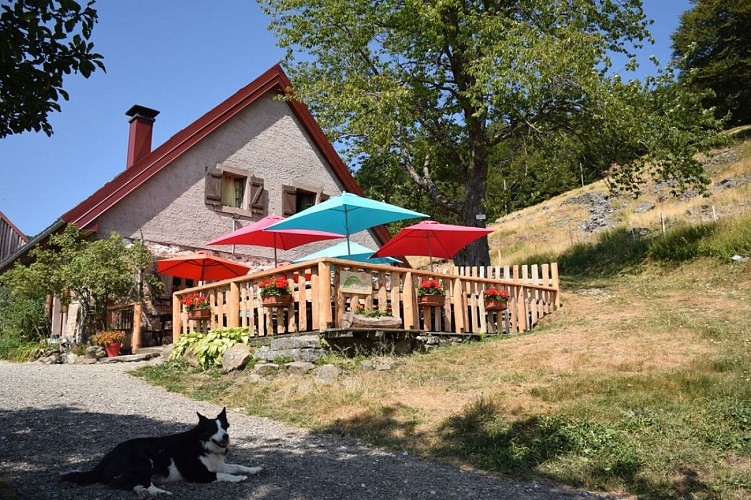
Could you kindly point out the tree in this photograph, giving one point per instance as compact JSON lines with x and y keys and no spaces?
{"x":713,"y":48}
{"x":42,"y":41}
{"x":92,"y":273}
{"x":439,"y":86}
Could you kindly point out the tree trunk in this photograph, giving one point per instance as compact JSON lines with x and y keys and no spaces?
{"x":476,"y":253}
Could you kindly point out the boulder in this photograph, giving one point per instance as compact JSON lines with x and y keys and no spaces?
{"x":299,"y":367}
{"x":266,"y":368}
{"x":236,"y":357}
{"x":327,"y":374}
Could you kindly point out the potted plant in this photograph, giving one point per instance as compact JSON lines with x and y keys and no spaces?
{"x":495,"y":299}
{"x":275,"y":291}
{"x":197,"y":306}
{"x":111,"y":340}
{"x":430,"y":293}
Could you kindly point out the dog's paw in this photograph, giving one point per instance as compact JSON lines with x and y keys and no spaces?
{"x":254,"y":470}
{"x":230,"y":478}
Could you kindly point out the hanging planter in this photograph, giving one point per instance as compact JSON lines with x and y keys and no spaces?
{"x":199,"y":314}
{"x":496,"y":304}
{"x":276,"y":300}
{"x":431,"y":300}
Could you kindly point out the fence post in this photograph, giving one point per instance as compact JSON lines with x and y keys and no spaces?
{"x":135,"y":341}
{"x":176,"y":318}
{"x":234,"y":306}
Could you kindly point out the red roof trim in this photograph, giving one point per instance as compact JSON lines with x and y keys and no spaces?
{"x":128,"y":180}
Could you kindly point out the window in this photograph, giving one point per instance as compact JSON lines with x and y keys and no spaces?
{"x":296,"y":199}
{"x":234,"y":191}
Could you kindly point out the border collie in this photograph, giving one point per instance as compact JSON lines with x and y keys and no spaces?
{"x":195,"y":455}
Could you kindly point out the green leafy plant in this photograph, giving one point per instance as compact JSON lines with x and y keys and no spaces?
{"x":430,"y":287}
{"x":209,"y":348}
{"x":376,"y":313}
{"x":275,"y":286}
{"x":105,"y":338}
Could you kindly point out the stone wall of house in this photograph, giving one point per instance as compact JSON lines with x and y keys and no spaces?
{"x":267,"y":141}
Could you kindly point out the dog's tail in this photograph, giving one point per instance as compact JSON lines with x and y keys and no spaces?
{"x":82,"y":478}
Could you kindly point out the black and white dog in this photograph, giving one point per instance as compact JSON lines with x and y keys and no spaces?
{"x":195,"y":455}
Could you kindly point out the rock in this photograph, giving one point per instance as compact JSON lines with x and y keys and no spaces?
{"x":643,"y":207}
{"x":266,"y":368}
{"x":167,"y":351}
{"x":384,"y":365}
{"x":298,"y":342}
{"x":327,"y":374}
{"x":236,"y":357}
{"x":299,"y":367}
{"x":739,"y":258}
{"x":70,"y":358}
{"x":403,"y":346}
{"x":366,"y":364}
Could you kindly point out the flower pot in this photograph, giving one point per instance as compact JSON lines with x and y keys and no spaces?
{"x":276,"y":300}
{"x":113,"y":349}
{"x":431,"y":300}
{"x":496,"y":305}
{"x":199,"y":314}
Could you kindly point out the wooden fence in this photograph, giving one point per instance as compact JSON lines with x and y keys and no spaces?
{"x":323,"y":293}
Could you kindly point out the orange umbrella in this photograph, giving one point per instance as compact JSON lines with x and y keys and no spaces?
{"x":201,"y":267}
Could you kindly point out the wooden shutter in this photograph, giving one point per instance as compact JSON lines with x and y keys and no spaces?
{"x":289,"y":200}
{"x":214,"y":187}
{"x":256,"y":195}
{"x":322,"y":197}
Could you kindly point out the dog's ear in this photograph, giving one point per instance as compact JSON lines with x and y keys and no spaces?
{"x":201,"y":418}
{"x":223,"y":413}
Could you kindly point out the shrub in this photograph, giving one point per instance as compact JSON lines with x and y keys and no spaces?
{"x":210,"y":347}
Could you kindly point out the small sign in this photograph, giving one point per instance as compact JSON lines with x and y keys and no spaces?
{"x":480,"y":217}
{"x":355,"y":282}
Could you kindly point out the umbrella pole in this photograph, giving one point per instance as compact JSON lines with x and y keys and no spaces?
{"x":346,"y":230}
{"x":275,"y":261}
{"x":430,"y":252}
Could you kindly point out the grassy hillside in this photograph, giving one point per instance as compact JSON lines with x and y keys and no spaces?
{"x":638,"y":385}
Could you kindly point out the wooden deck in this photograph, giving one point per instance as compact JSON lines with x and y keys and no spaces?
{"x":325,"y":290}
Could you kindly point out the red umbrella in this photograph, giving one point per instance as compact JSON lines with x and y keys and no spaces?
{"x":258,"y":234}
{"x":432,"y":239}
{"x":201,"y":267}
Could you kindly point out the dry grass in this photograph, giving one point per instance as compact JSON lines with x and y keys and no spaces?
{"x":648,"y":372}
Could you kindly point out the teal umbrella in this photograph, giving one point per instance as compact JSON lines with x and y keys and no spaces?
{"x":355,"y":252}
{"x":346,"y":214}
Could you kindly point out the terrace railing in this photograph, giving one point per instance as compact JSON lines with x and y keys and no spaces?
{"x":325,"y":290}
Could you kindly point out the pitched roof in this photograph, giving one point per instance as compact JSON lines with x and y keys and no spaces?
{"x":274,"y":79}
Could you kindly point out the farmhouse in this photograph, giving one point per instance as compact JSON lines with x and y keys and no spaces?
{"x":252,"y":155}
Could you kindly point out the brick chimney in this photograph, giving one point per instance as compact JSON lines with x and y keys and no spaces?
{"x":139,"y":139}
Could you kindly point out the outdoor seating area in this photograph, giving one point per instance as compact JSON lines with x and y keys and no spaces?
{"x":325,"y":290}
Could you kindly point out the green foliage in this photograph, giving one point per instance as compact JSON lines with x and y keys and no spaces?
{"x":23,"y":317}
{"x":43,"y":40}
{"x":463,"y":97}
{"x":13,"y":348}
{"x":210,"y":347}
{"x":724,"y":239}
{"x":94,"y":272}
{"x":680,"y":243}
{"x":712,"y":44}
{"x":617,"y":250}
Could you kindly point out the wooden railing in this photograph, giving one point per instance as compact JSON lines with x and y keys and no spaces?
{"x":325,"y":289}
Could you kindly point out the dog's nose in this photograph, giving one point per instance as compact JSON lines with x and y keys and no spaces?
{"x":225,"y":441}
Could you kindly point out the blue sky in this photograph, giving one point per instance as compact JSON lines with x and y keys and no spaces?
{"x":181,"y":58}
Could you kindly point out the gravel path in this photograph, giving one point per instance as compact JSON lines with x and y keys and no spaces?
{"x":55,"y":418}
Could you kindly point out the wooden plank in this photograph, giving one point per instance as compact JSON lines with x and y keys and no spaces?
{"x":135,"y":341}
{"x":383,"y":294}
{"x":315,"y":301}
{"x":556,"y":283}
{"x":460,"y":310}
{"x":233,"y":310}
{"x":176,"y":318}
{"x":408,"y":298}
{"x":302,"y":301}
{"x":324,"y":295}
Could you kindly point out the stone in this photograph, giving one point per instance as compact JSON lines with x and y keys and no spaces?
{"x":70,"y":358}
{"x":266,"y":368}
{"x":384,"y":365}
{"x":327,"y":374}
{"x":366,"y":364}
{"x":299,"y":367}
{"x":298,"y":342}
{"x":403,"y":346}
{"x":643,"y":207}
{"x":236,"y":357}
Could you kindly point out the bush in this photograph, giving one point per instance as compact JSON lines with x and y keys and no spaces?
{"x":210,"y":347}
{"x":615,"y":251}
{"x":723,"y":239}
{"x":680,"y":243}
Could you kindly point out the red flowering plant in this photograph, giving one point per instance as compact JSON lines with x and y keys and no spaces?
{"x":195,"y":301}
{"x":430,"y":287}
{"x":496,"y":294}
{"x":275,"y":286}
{"x":106,"y":338}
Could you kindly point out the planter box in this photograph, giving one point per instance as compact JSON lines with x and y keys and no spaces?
{"x":496,"y":305}
{"x":199,"y":314}
{"x":431,"y":300}
{"x":352,"y":320}
{"x":276,"y":300}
